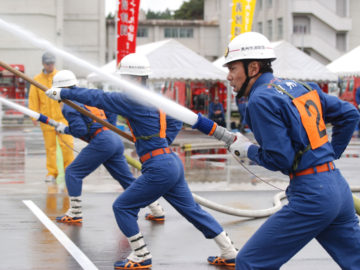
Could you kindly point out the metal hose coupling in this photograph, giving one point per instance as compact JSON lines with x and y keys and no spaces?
{"x":222,"y":134}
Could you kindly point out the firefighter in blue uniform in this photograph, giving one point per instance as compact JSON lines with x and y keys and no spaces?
{"x":162,"y":170}
{"x":357,"y":99}
{"x":216,"y":112}
{"x":288,"y":121}
{"x":105,"y":147}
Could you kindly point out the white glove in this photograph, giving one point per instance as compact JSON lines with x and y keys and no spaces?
{"x":359,"y":106}
{"x":61,"y":128}
{"x":54,"y":93}
{"x":240,"y":146}
{"x":53,"y":123}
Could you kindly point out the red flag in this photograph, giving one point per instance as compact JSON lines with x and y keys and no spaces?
{"x":127,"y":22}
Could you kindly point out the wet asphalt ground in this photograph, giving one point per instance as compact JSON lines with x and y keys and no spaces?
{"x":26,"y":243}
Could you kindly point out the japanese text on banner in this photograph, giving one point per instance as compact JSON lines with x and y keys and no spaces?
{"x":242,"y":16}
{"x":127,"y":22}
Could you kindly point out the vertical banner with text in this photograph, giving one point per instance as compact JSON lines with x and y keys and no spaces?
{"x":242,"y":16}
{"x":127,"y":22}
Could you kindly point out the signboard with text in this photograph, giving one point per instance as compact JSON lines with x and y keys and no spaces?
{"x":127,"y":22}
{"x":242,"y":16}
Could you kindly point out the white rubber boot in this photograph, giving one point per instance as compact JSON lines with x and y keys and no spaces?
{"x":139,"y":249}
{"x":74,"y":213}
{"x":75,"y":210}
{"x":228,"y":251}
{"x":156,"y":209}
{"x":157,"y":212}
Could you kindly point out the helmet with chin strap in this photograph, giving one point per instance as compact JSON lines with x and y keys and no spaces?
{"x":64,"y":78}
{"x":134,"y":64}
{"x":247,"y":47}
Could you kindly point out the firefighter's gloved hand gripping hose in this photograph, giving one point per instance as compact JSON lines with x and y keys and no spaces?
{"x":237,"y":144}
{"x":209,"y":127}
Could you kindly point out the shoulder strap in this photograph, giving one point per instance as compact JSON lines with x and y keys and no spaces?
{"x":161,"y":134}
{"x":299,"y":154}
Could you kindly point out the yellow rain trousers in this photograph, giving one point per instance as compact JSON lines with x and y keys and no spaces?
{"x":40,"y":103}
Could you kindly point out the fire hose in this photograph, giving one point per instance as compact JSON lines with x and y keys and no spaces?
{"x":68,"y":102}
{"x":136,"y":164}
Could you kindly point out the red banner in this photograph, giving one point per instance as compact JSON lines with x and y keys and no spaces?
{"x":127,"y":22}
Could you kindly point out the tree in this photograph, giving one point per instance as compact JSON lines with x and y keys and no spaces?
{"x":192,"y":10}
{"x":166,"y":15}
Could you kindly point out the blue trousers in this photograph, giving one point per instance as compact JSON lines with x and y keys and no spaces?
{"x":321,"y":207}
{"x":106,"y":148}
{"x":162,"y":175}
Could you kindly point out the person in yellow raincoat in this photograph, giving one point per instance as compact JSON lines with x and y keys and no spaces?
{"x":40,"y":103}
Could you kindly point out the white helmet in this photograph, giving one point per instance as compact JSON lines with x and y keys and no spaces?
{"x":249,"y":45}
{"x":134,"y":64}
{"x":64,"y":78}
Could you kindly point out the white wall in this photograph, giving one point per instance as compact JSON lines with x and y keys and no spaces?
{"x":77,"y":26}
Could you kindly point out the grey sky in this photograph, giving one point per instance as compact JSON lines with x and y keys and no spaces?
{"x":154,"y":5}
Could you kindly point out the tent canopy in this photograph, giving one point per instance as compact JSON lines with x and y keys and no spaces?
{"x":292,"y":63}
{"x":348,"y":64}
{"x":170,"y":60}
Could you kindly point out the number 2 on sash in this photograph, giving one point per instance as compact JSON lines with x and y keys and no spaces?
{"x":309,"y":107}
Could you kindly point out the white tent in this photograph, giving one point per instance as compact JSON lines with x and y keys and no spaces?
{"x":348,"y":64}
{"x":170,"y":60}
{"x":292,"y":63}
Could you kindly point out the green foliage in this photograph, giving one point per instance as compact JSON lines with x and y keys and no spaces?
{"x":166,"y":15}
{"x":110,"y":16}
{"x":192,"y":10}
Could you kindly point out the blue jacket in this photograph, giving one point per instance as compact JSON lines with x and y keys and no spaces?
{"x":81,"y":126}
{"x":144,"y":120}
{"x":216,"y":107}
{"x":278,"y":129}
{"x":357,"y":96}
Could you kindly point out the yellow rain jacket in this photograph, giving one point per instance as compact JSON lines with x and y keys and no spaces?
{"x":40,"y":103}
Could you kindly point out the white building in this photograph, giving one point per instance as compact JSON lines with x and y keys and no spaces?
{"x":76,"y":26}
{"x":325,"y":29}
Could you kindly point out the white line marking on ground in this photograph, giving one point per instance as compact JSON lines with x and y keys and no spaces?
{"x":78,"y":255}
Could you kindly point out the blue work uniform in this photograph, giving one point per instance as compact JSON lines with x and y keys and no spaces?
{"x":104,"y":147}
{"x":217,"y":117}
{"x":162,"y":175}
{"x":241,"y":104}
{"x":320,"y":203}
{"x":357,"y":98}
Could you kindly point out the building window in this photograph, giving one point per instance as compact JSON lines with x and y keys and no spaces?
{"x":301,"y":25}
{"x":280,"y":28}
{"x":186,"y":32}
{"x":300,"y":29}
{"x":341,"y":42}
{"x":142,"y":32}
{"x":341,"y":7}
{"x":260,"y":4}
{"x":178,"y":32}
{"x":260,"y":27}
{"x":171,"y":32}
{"x":270,"y":3}
{"x":270,"y":29}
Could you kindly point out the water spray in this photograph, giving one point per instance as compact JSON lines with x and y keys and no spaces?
{"x":37,"y":116}
{"x":46,"y":120}
{"x":135,"y":91}
{"x":68,"y":102}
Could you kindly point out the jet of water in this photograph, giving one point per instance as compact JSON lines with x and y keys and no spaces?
{"x":135,"y":91}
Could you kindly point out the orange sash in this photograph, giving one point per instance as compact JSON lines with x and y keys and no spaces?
{"x":97,"y":112}
{"x":161,"y":134}
{"x":309,"y":107}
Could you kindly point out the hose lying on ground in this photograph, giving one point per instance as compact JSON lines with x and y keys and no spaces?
{"x":245,"y":212}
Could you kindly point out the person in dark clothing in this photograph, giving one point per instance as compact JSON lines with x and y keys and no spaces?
{"x":216,"y":112}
